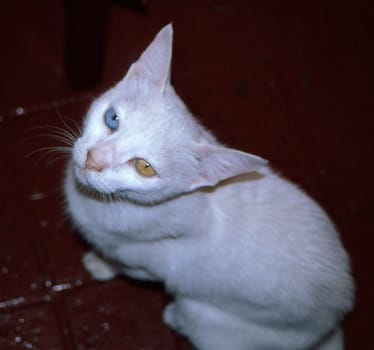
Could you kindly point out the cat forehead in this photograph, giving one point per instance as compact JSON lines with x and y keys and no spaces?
{"x":148,"y":126}
{"x":163,"y":110}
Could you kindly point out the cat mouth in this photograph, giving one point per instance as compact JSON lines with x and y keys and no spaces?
{"x":91,"y":181}
{"x":96,"y":194}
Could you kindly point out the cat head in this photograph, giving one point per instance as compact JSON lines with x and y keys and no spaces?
{"x":140,"y":141}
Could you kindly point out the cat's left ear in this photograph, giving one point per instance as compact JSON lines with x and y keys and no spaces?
{"x":217,"y":163}
{"x":154,"y":64}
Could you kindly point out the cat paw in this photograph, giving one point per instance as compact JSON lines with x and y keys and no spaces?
{"x":98,"y":268}
{"x":170,"y":317}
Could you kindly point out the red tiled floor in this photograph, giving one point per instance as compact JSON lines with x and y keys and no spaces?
{"x":118,"y":315}
{"x":291,"y":81}
{"x":30,"y":328}
{"x":20,"y":273}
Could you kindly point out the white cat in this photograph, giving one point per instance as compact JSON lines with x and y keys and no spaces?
{"x":252,"y":261}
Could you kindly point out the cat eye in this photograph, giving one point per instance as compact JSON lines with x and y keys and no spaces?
{"x":111,"y":119}
{"x":144,"y":168}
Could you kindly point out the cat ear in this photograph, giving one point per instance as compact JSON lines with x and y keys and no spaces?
{"x":217,"y":163}
{"x":154,"y":64}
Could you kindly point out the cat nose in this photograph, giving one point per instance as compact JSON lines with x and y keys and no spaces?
{"x":94,"y":163}
{"x":101,"y":157}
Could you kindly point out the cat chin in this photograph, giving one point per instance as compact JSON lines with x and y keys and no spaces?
{"x":89,"y":186}
{"x":90,"y":181}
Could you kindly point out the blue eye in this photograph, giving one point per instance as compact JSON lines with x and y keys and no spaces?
{"x":111,"y":119}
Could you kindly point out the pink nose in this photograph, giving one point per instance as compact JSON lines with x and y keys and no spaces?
{"x":101,"y":157}
{"x":93,"y":163}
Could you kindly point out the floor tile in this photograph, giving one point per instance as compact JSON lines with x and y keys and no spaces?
{"x":118,"y":315}
{"x":35,"y":327}
{"x":19,"y":255}
{"x":61,"y":247}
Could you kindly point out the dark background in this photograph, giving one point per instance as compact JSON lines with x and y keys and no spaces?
{"x":291,"y":81}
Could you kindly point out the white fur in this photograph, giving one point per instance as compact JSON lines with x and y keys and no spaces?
{"x":252,"y":262}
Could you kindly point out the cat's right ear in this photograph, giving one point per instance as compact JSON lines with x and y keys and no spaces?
{"x":153,"y":65}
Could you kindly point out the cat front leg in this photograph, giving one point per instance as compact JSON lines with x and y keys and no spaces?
{"x":99,"y":268}
{"x":145,"y":260}
{"x":103,"y":270}
{"x":139,"y":274}
{"x":206,"y":326}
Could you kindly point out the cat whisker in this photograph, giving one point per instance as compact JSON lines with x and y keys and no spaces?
{"x":68,"y":132}
{"x":51,"y":149}
{"x":114,"y":196}
{"x":45,"y":152}
{"x":55,"y":133}
{"x":77,"y":130}
{"x":62,"y":118}
{"x":119,"y":196}
{"x":109,"y":198}
{"x":65,"y":136}
{"x":63,"y":139}
{"x":56,"y":159}
{"x":62,"y":135}
{"x":107,"y":195}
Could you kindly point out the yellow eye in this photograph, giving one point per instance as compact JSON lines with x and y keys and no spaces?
{"x":144,"y":168}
